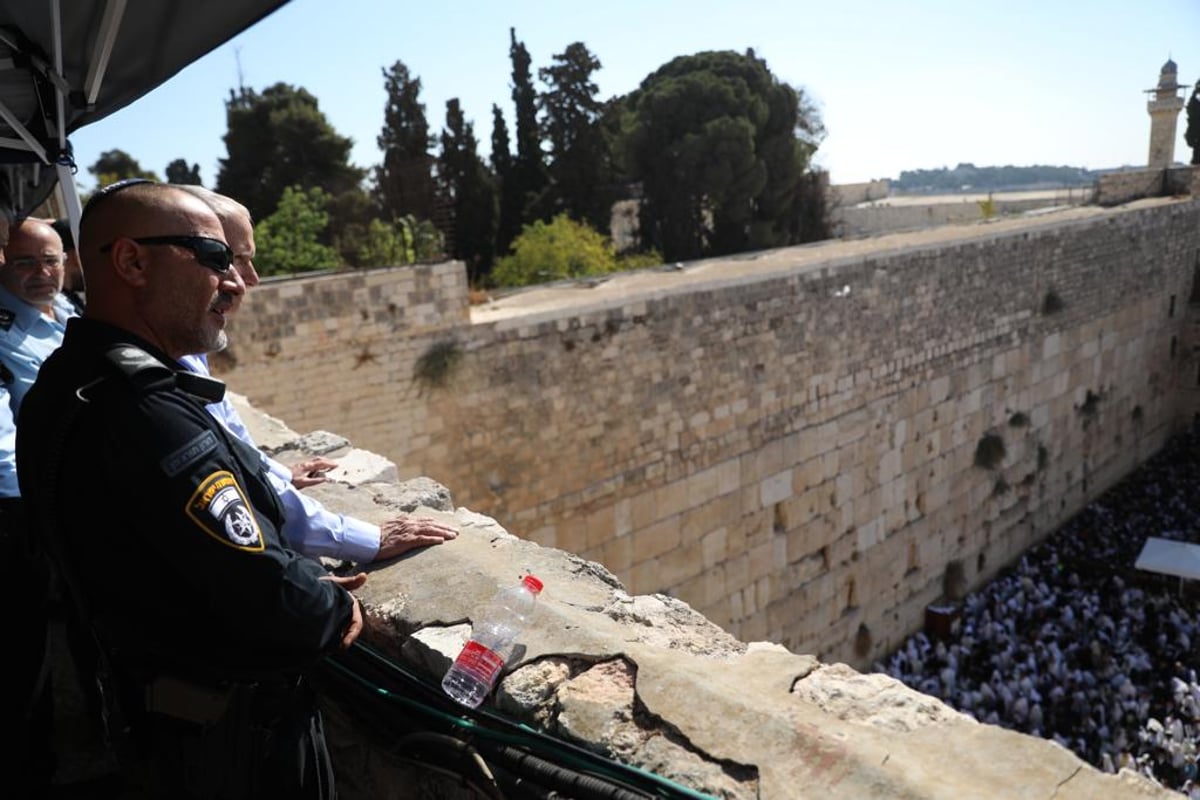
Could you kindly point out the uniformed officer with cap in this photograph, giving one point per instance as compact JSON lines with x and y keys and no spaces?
{"x":162,"y":523}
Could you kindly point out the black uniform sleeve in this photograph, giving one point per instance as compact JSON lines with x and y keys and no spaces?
{"x":208,"y":530}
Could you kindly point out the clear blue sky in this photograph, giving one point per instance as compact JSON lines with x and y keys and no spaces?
{"x":900,"y":85}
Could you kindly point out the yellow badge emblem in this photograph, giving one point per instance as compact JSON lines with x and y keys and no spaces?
{"x":219,"y":507}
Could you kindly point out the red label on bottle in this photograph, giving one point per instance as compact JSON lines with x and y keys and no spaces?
{"x":483,"y":662}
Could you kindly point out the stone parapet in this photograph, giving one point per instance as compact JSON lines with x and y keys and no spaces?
{"x":648,"y":681}
{"x":1115,"y":188}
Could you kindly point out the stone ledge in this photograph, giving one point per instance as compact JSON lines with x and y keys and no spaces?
{"x":649,"y":681}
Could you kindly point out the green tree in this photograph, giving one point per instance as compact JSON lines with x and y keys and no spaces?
{"x":179,"y":172}
{"x":350,"y":214}
{"x":549,"y":251}
{"x":405,"y":241}
{"x":508,"y":191}
{"x":386,"y":245}
{"x":580,"y":166}
{"x":404,"y":180}
{"x":117,"y":165}
{"x":1192,"y":134}
{"x":720,"y":148}
{"x":279,"y":138}
{"x":468,"y":186}
{"x":289,"y":240}
{"x":529,"y":167}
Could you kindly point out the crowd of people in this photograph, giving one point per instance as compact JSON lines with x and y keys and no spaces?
{"x":1076,"y":645}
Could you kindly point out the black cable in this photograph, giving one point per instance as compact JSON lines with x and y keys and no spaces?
{"x":580,"y":785}
{"x":505,"y":743}
{"x":464,"y":750}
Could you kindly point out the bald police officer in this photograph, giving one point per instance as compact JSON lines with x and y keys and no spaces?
{"x":164,"y":524}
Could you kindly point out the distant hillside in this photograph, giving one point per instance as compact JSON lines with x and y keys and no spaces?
{"x":970,"y":178}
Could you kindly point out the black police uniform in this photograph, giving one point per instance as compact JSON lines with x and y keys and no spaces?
{"x":27,"y":762}
{"x":168,"y":531}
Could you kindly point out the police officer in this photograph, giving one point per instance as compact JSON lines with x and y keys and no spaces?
{"x":163,"y":524}
{"x":26,"y":702}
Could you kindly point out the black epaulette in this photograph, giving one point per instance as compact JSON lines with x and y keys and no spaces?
{"x":149,"y":374}
{"x":205,"y":389}
{"x":139,"y":367}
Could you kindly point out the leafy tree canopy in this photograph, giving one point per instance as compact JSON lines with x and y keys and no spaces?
{"x":279,"y":138}
{"x":468,"y":186}
{"x":720,"y":147}
{"x":509,"y":192}
{"x":404,"y":181}
{"x":548,"y":251}
{"x":405,"y":241}
{"x":179,"y":172}
{"x":580,"y":168}
{"x":529,"y":167}
{"x":117,"y":165}
{"x":289,"y":240}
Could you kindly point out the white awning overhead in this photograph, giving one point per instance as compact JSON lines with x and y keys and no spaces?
{"x":66,"y":63}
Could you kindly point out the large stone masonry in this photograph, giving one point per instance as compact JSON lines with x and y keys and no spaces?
{"x":788,"y":440}
{"x":648,"y":681}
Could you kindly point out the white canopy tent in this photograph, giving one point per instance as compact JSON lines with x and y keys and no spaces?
{"x":66,"y":64}
{"x":1170,"y":557}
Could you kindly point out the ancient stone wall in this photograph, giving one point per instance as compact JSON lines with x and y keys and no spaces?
{"x":875,"y":218}
{"x":1182,"y":180}
{"x":606,"y":670}
{"x":849,"y":194}
{"x":1121,"y":187}
{"x":808,"y":446}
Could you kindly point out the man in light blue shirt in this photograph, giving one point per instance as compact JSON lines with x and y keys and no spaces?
{"x":31,"y":327}
{"x":308,"y":526}
{"x":33,"y":317}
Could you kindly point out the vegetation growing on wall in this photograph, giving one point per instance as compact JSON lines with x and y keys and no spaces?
{"x":437,"y":364}
{"x":1052,"y":303}
{"x":1090,"y":405}
{"x":990,"y":451}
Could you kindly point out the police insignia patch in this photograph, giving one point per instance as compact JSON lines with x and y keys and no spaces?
{"x":187,"y":455}
{"x":220,"y":508}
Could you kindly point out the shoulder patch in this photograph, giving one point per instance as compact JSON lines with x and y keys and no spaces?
{"x":7,"y":318}
{"x":219,"y":507}
{"x":181,"y":459}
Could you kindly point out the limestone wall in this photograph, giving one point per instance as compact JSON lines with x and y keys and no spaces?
{"x":875,"y":218}
{"x":787,"y":442}
{"x":849,"y":194}
{"x":1182,"y":180}
{"x":607,"y":670}
{"x":1121,"y":187}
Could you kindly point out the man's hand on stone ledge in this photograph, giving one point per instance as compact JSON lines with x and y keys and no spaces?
{"x":398,"y":536}
{"x":311,"y":471}
{"x":350,"y":583}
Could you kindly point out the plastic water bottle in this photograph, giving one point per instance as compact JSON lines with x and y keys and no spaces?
{"x":493,"y":637}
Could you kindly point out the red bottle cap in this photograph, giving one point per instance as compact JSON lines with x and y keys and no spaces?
{"x":532,"y":584}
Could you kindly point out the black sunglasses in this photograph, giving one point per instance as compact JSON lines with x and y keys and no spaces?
{"x":211,"y":253}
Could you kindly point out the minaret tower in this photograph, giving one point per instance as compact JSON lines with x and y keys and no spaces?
{"x":1164,"y":110}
